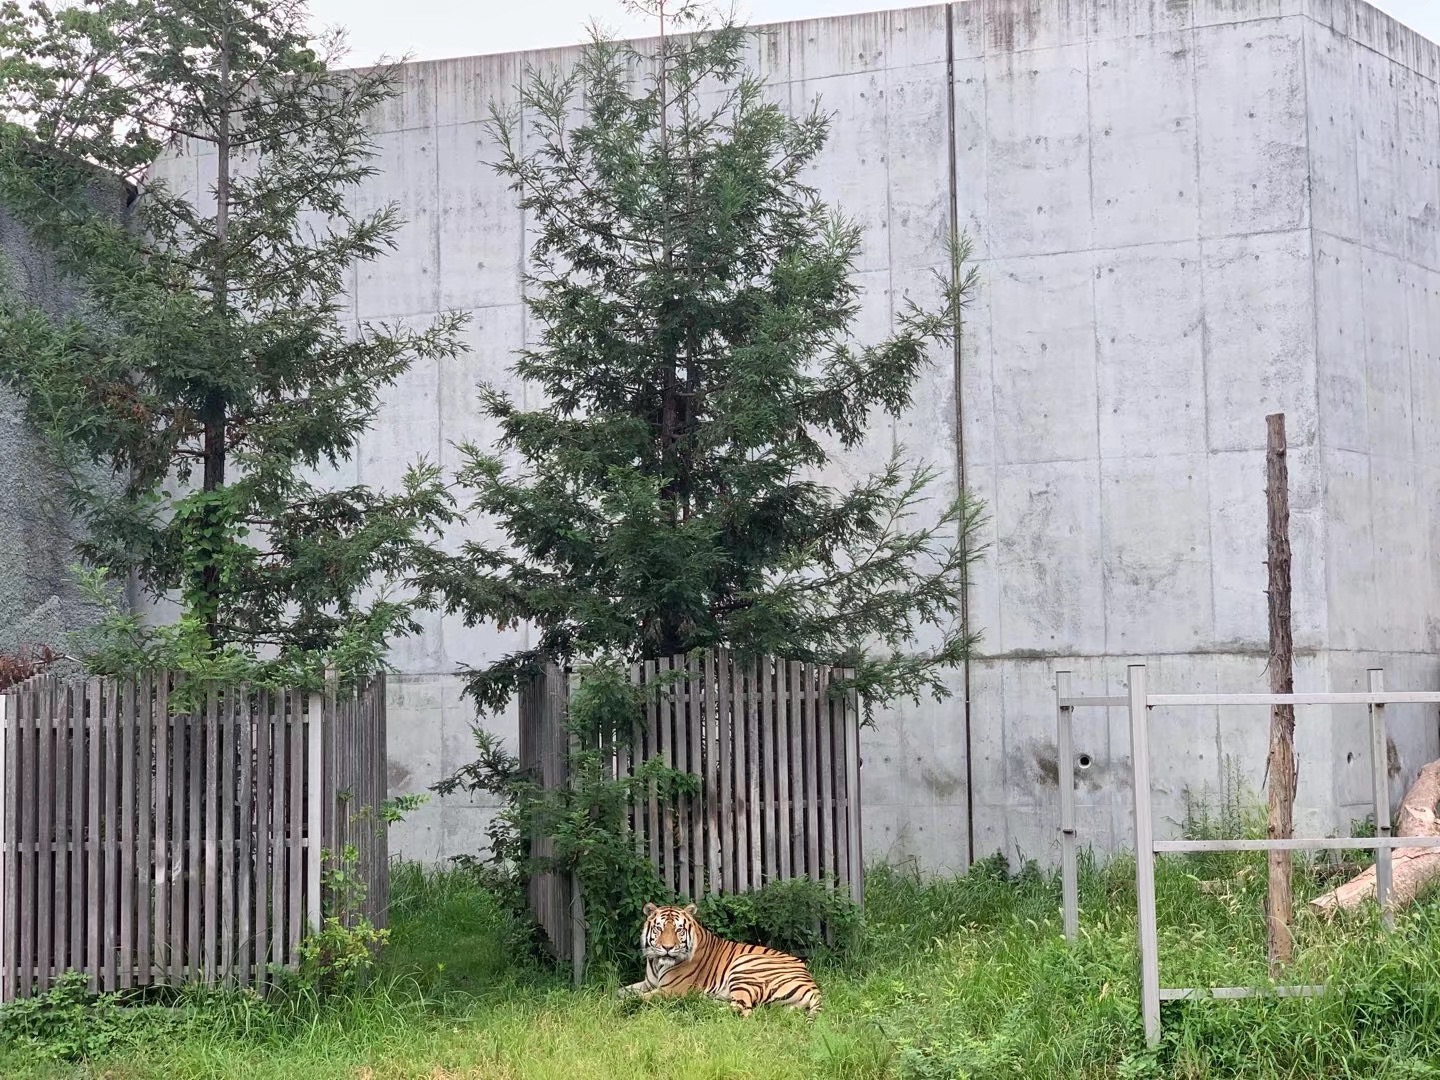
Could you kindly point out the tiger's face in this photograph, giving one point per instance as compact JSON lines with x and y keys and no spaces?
{"x":668,"y":937}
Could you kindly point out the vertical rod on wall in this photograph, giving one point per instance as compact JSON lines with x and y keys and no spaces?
{"x":960,"y":477}
{"x":1379,"y":759}
{"x":1144,"y":856}
{"x":314,"y":811}
{"x":1065,"y":751}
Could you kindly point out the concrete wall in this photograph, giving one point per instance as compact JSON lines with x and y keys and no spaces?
{"x":1189,"y":214}
{"x":39,"y":602}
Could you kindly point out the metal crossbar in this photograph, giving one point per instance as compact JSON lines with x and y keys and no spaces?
{"x":1139,"y":702}
{"x":1232,"y":992}
{"x":1308,"y":843}
{"x":1374,"y":697}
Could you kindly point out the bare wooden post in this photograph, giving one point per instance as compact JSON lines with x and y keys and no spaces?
{"x":1280,"y":766}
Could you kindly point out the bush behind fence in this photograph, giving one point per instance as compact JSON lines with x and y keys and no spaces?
{"x":779,"y":766}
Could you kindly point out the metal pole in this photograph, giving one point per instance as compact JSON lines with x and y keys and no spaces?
{"x":1144,"y":857}
{"x":1379,"y":759}
{"x":1065,"y":752}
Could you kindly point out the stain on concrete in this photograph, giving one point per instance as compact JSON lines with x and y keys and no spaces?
{"x":1048,"y":766}
{"x":942,"y":782}
{"x":397,"y":775}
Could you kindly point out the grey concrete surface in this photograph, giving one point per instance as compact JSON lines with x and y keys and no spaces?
{"x":1188,"y":214}
{"x":39,"y":601}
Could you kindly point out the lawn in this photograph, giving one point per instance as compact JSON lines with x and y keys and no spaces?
{"x":957,"y":978}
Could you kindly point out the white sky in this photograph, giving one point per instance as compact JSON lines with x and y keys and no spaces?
{"x":435,"y":29}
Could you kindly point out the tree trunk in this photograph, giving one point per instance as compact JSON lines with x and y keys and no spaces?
{"x":215,"y":406}
{"x":1413,"y":867}
{"x":1279,"y":899}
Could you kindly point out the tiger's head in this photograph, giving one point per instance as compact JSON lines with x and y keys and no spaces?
{"x":669,"y":936}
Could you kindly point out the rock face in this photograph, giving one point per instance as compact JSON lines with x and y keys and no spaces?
{"x":39,"y":601}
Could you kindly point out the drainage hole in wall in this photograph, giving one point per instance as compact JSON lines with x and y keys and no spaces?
{"x":1083,"y":761}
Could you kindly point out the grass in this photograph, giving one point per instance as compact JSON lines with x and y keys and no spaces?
{"x":963,"y":978}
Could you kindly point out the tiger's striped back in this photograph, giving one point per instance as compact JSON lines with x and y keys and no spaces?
{"x":682,"y":956}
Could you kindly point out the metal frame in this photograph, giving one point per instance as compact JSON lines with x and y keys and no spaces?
{"x":1065,"y":705}
{"x":1140,"y":702}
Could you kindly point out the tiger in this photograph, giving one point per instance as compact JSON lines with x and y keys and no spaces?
{"x":681,"y":956}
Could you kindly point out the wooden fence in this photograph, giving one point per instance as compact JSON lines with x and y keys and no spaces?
{"x":779,"y":767}
{"x":142,"y":845}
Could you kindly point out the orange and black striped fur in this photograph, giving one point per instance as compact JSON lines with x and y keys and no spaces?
{"x":681,"y":956}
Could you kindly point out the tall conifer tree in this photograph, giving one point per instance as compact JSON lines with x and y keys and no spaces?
{"x":214,"y":367}
{"x":694,"y":300}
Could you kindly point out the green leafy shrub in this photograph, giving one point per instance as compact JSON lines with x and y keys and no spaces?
{"x":339,"y":957}
{"x":799,"y":916}
{"x":69,"y":1023}
{"x":586,"y":819}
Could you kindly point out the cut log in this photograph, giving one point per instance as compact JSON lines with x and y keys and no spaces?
{"x":1413,"y":867}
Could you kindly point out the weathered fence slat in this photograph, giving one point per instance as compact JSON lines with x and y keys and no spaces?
{"x":377,"y":731}
{"x":194,"y":798}
{"x":125,"y":833}
{"x":798,"y":773}
{"x":852,"y":795}
{"x":139,"y":847}
{"x":824,"y":739}
{"x":721,"y":769}
{"x":665,"y":734}
{"x":179,"y":742}
{"x":695,"y":705}
{"x":62,"y":846}
{"x":109,"y":828}
{"x":279,"y":850}
{"x":814,"y":867}
{"x":229,"y":797}
{"x":142,"y":963}
{"x":209,"y":903}
{"x":264,"y":830}
{"x":245,"y":898}
{"x":769,"y":809}
{"x":296,"y":885}
{"x":314,"y":779}
{"x":754,"y":809}
{"x":28,"y":838}
{"x":94,"y":890}
{"x":711,"y":774}
{"x":44,"y":836}
{"x":652,"y":712}
{"x":79,"y":789}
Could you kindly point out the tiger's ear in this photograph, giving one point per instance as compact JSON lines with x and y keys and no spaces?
{"x":689,"y":909}
{"x":649,"y":910}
